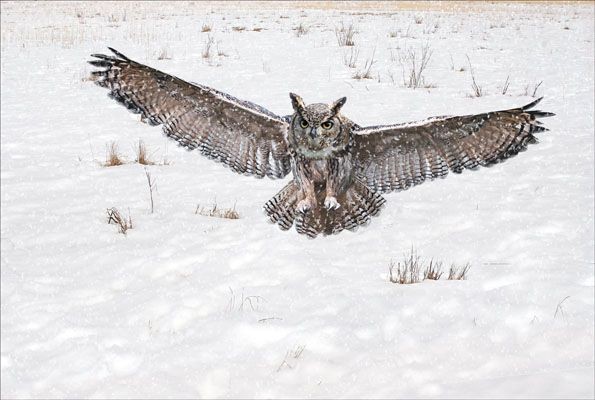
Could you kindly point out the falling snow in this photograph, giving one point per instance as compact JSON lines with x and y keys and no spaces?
{"x":185,"y":305}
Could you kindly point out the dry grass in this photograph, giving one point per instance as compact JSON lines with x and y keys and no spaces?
{"x":115,"y":217}
{"x":418,"y":19}
{"x":207,"y":50}
{"x":220,"y":52}
{"x":477,"y":90}
{"x":350,"y":57}
{"x":142,"y":155}
{"x":241,"y":304}
{"x":345,"y":35}
{"x":433,"y":271}
{"x":113,"y":157}
{"x":301,"y":30}
{"x":215,"y":211}
{"x":206,"y":27}
{"x":413,"y":269}
{"x":405,"y":271}
{"x":291,"y":356}
{"x":257,"y":29}
{"x":531,"y":90}
{"x":239,"y":28}
{"x":458,"y":272}
{"x":414,"y":64}
{"x":164,"y":54}
{"x":506,"y":85}
{"x":151,"y":184}
{"x":366,"y":71}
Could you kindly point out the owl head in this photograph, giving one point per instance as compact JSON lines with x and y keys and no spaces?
{"x":317,"y":130}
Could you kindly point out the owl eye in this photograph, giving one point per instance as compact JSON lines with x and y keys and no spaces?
{"x":327,"y":124}
{"x":304,"y":123}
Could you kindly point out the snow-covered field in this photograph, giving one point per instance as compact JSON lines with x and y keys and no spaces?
{"x":186,"y":305}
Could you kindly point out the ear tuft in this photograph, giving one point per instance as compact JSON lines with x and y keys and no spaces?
{"x":336,"y":106}
{"x":297,"y":102}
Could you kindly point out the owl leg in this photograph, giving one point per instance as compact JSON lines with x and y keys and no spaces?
{"x":309,"y":197}
{"x":332,"y":184}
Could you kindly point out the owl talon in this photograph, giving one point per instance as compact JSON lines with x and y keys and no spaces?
{"x":331,"y":203}
{"x":304,"y":206}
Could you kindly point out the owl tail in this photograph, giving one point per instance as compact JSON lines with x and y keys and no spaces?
{"x":281,"y":209}
{"x":357,"y":206}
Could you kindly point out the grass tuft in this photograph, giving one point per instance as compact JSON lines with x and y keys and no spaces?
{"x":458,"y":272}
{"x":113,"y":157}
{"x":301,"y":30}
{"x":414,"y":64}
{"x":350,"y":57}
{"x":207,"y":51}
{"x":531,"y":90}
{"x":413,"y":269}
{"x":345,"y":34}
{"x":215,"y":211}
{"x":115,"y":217}
{"x":366,"y":71}
{"x":164,"y":54}
{"x":142,"y":155}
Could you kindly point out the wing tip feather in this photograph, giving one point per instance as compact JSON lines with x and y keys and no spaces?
{"x":117,"y":53}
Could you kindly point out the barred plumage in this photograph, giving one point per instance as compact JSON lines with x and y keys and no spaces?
{"x":390,"y":157}
{"x":339,"y":168}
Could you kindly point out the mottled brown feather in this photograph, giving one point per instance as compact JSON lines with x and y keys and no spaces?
{"x":396,"y":157}
{"x":239,"y":134}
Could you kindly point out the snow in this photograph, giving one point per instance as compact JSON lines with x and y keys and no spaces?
{"x":191,"y":306}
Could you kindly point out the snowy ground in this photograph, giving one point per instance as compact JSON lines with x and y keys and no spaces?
{"x":192,"y":306}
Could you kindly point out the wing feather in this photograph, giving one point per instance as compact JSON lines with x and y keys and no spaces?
{"x":396,"y":157}
{"x":242,"y":135}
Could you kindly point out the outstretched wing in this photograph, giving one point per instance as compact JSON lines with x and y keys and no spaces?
{"x":240,"y":134}
{"x":396,"y":157}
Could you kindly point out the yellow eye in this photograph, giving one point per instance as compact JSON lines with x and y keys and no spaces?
{"x":304,"y":124}
{"x":327,"y":124}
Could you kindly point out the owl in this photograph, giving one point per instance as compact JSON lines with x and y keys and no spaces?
{"x":339,"y":169}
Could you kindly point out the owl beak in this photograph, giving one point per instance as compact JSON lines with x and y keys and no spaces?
{"x":313,"y":133}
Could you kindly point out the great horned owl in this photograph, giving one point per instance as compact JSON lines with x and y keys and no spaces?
{"x":339,"y":168}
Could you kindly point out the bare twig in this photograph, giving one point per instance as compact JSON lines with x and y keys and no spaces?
{"x":560,"y":309}
{"x":206,"y":51}
{"x":532,"y":91}
{"x":350,"y":57}
{"x":506,"y":84}
{"x":294,"y":354}
{"x":151,"y":184}
{"x":477,"y":90}
{"x":263,"y":320}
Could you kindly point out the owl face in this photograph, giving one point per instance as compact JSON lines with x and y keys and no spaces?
{"x":317,"y":129}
